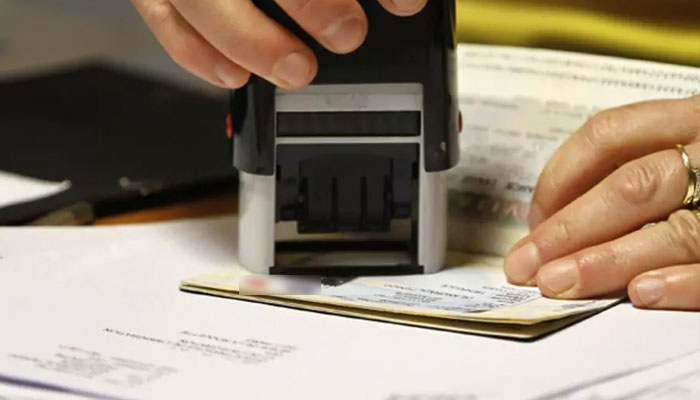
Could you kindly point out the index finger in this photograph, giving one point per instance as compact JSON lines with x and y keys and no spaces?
{"x":248,"y":37}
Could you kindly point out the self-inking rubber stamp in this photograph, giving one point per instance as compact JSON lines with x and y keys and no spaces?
{"x":346,"y":176}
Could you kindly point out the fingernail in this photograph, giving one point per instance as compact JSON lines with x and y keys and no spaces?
{"x":650,"y":290}
{"x":522,"y":264}
{"x":345,"y":35}
{"x":407,"y":5}
{"x":535,"y":216}
{"x":294,"y":70}
{"x":228,"y":75}
{"x":559,"y":276}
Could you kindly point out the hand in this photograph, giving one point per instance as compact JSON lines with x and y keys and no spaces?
{"x":620,"y":171}
{"x":223,"y":41}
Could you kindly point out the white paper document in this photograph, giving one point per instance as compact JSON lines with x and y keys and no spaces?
{"x":677,"y":378}
{"x":15,"y":189}
{"x":94,"y":312}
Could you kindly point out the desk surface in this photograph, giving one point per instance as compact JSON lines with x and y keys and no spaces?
{"x":222,"y":204}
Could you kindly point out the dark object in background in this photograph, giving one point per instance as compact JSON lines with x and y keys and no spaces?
{"x":124,"y":141}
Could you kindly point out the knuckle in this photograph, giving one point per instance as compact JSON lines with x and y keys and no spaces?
{"x":600,"y":134}
{"x":695,"y":101}
{"x":185,"y":56}
{"x":297,"y":6}
{"x":637,"y":183}
{"x":606,"y":262}
{"x":312,"y":10}
{"x":157,"y":12}
{"x":550,"y":243}
{"x":695,"y":111}
{"x":684,"y":233}
{"x":589,"y":263}
{"x":694,"y":299}
{"x":240,"y":81}
{"x":548,"y":182}
{"x":548,"y":177}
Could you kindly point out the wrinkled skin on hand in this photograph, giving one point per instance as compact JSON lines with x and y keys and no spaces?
{"x":616,"y":174}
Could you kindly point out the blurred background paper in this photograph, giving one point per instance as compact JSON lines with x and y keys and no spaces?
{"x":655,"y":30}
{"x":16,"y":189}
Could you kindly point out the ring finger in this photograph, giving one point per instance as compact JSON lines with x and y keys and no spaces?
{"x":667,"y":288}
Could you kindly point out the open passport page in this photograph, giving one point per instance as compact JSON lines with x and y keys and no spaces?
{"x":518,"y":105}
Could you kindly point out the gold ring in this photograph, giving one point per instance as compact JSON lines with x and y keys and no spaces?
{"x":692,"y":194}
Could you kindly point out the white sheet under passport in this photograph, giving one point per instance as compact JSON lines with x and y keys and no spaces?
{"x":100,"y":314}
